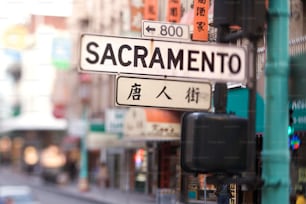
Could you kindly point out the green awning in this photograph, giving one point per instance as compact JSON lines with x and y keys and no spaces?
{"x":238,"y":102}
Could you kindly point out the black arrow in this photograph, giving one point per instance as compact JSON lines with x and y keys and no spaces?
{"x":149,"y":29}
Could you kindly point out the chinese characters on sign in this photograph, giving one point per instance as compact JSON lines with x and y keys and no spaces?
{"x":163,"y":93}
{"x":150,"y":10}
{"x":135,"y":92}
{"x":136,"y":8}
{"x":174,"y":11}
{"x":200,"y":23}
{"x":192,"y":95}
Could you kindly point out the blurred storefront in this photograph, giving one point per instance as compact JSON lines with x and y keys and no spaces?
{"x":98,"y":143}
{"x":5,"y":150}
{"x":153,"y":164}
{"x":52,"y":161}
{"x":101,"y":148}
{"x":29,"y":132}
{"x":113,"y":154}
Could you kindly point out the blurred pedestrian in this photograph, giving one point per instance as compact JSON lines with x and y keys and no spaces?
{"x":103,"y":175}
{"x":223,"y":193}
{"x":72,"y":168}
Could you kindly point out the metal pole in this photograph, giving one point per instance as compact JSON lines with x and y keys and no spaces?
{"x":252,"y":83}
{"x":205,"y":197}
{"x":252,"y":105}
{"x":275,"y":154}
{"x":220,"y":93}
{"x":83,"y":174}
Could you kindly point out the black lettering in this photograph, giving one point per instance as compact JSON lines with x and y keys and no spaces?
{"x":89,"y":50}
{"x":157,"y":58}
{"x":142,"y":56}
{"x":190,"y":60}
{"x":120,"y":55}
{"x":222,"y":60}
{"x":211,"y":63}
{"x":108,"y":54}
{"x":230,"y":64}
{"x":175,"y":60}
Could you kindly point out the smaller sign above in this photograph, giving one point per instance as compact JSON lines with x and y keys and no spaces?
{"x":155,"y":29}
{"x":161,"y":93}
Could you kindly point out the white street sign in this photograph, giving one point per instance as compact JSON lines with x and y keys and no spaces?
{"x":216,"y":62}
{"x":134,"y":91}
{"x":170,"y":31}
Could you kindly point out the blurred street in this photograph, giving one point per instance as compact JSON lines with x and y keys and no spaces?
{"x":52,"y":193}
{"x":64,"y":194}
{"x":150,"y":102}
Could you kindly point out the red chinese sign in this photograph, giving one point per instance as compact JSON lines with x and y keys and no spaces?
{"x":150,"y":10}
{"x":200,"y":23}
{"x":137,"y":10}
{"x":174,"y":11}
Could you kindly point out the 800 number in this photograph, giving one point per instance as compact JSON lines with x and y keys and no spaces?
{"x":171,"y":31}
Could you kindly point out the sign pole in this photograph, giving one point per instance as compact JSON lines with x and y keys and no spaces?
{"x":220,"y":94}
{"x":251,"y":136}
{"x":83,"y":174}
{"x":84,"y":94}
{"x":275,"y":153}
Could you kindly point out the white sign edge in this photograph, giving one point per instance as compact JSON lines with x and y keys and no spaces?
{"x":168,"y":108}
{"x":82,"y":70}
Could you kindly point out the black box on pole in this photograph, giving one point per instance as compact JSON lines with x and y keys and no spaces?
{"x":214,"y":143}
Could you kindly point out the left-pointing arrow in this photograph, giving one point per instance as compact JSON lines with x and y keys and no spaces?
{"x":150,"y":29}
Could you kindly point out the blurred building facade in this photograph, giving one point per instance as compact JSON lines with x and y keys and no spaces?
{"x":28,"y":37}
{"x":126,"y":160}
{"x":135,"y":162}
{"x":50,"y":93}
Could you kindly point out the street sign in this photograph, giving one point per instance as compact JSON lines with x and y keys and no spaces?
{"x":134,"y":91}
{"x":109,"y":54}
{"x":171,"y":31}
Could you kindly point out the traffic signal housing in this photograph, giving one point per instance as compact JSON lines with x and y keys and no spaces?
{"x":227,"y":12}
{"x":214,"y":143}
{"x":250,"y":15}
